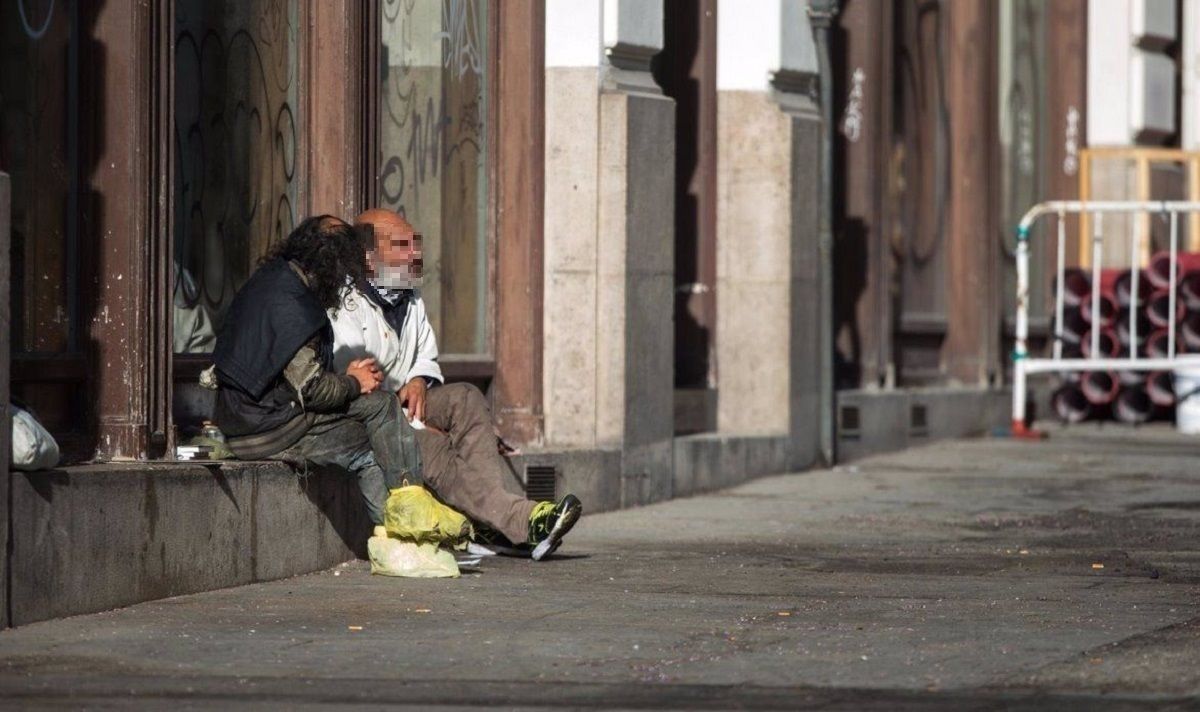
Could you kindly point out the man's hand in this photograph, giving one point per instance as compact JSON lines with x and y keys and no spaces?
{"x":367,"y":373}
{"x":412,"y":396}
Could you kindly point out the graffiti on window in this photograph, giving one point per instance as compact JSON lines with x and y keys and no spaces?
{"x":236,"y":146}
{"x":432,"y":162}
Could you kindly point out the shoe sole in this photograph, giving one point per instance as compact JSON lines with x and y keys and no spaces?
{"x":478,"y":549}
{"x":548,"y":545}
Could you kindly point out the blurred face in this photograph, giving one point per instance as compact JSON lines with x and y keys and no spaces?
{"x":395,"y":261}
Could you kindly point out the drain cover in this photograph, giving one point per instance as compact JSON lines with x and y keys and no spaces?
{"x":540,"y":483}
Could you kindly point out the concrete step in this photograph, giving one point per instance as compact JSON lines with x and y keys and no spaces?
{"x":96,"y":537}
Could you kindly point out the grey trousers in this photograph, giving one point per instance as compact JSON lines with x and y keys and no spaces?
{"x":371,"y":439}
{"x":464,"y":467}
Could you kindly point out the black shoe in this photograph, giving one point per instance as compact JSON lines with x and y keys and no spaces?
{"x":549,"y":523}
{"x":490,"y":540}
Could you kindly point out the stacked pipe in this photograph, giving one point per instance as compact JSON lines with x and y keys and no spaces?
{"x":1127,"y":396}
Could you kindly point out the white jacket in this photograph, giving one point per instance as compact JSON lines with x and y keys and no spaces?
{"x":361,"y":331}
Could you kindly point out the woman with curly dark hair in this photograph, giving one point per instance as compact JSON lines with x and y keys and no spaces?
{"x":278,"y":395}
{"x":329,"y":251}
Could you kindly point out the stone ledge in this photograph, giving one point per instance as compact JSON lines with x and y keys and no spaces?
{"x":97,"y":537}
{"x":888,"y":420}
{"x":707,"y":462}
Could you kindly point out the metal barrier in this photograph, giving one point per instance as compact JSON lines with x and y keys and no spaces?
{"x":1024,"y":365}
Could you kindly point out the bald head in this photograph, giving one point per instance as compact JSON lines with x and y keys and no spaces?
{"x":383,"y":218}
{"x":395,"y":261}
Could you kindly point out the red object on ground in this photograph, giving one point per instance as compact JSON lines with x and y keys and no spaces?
{"x":1121,"y":327}
{"x":1158,"y":308}
{"x":1158,"y":272}
{"x":1110,"y":345}
{"x":1161,"y":388}
{"x":1108,"y":310}
{"x":1077,"y":286}
{"x":1189,"y":290}
{"x":1070,"y":404}
{"x":1021,"y":431}
{"x":1100,"y":387}
{"x":1133,"y":405}
{"x":1123,"y":288}
{"x":1156,"y":344}
{"x":1189,"y":331}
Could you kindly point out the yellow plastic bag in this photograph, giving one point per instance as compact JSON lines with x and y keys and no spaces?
{"x":412,"y":514}
{"x":392,"y":557}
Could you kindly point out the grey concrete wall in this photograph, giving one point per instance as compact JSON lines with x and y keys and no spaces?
{"x":885,"y":417}
{"x":5,"y":351}
{"x":804,"y":352}
{"x":610,"y":276}
{"x":635,"y":266}
{"x":589,"y":473}
{"x":94,"y":538}
{"x":712,"y":461}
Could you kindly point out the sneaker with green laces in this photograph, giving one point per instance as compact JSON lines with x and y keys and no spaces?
{"x":550,"y":522}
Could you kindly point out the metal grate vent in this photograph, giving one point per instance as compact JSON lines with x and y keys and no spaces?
{"x":918,"y":421}
{"x":541,"y":483}
{"x":849,"y":426}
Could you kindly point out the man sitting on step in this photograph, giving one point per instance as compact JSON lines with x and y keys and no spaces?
{"x":278,"y":396}
{"x":383,"y":318}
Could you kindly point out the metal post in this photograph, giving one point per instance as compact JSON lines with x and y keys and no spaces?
{"x":1097,"y":257}
{"x":821,"y":14}
{"x":1135,"y":259}
{"x":1021,"y":346}
{"x":1058,"y":292}
{"x":1174,"y":277}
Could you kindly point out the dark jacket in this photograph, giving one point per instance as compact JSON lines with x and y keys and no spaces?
{"x":273,"y":315}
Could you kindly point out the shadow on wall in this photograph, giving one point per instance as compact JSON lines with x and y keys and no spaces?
{"x":850,"y":235}
{"x":850,"y":257}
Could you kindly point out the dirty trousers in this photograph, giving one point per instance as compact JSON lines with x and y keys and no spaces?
{"x":464,"y":467}
{"x":371,"y":439}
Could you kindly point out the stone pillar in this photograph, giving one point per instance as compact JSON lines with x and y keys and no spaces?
{"x":609,"y":240}
{"x":636,"y":253}
{"x":573,"y":64}
{"x":863,"y":136}
{"x":970,"y":353}
{"x":1190,"y":60}
{"x":5,"y":416}
{"x":124,"y":227}
{"x":768,"y":293}
{"x":520,"y":86}
{"x":335,"y":171}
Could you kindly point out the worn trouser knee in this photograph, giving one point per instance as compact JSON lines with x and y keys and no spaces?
{"x":378,"y":406}
{"x":464,"y":404}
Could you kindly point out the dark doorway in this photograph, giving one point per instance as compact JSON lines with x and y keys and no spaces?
{"x":686,"y":69}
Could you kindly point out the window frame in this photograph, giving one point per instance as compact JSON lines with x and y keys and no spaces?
{"x":478,"y":368}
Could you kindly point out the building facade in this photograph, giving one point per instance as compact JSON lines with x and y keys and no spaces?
{"x":669,"y":259}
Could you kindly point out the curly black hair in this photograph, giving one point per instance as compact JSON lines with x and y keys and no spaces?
{"x":329,"y":251}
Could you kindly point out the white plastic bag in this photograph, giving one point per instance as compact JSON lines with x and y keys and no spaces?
{"x":392,"y":557}
{"x":33,"y":447}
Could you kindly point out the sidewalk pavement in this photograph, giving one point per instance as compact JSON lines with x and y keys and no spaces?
{"x":966,"y":575}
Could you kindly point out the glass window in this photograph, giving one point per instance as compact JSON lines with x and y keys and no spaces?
{"x":432,"y":162}
{"x":236,"y":140}
{"x":38,"y":55}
